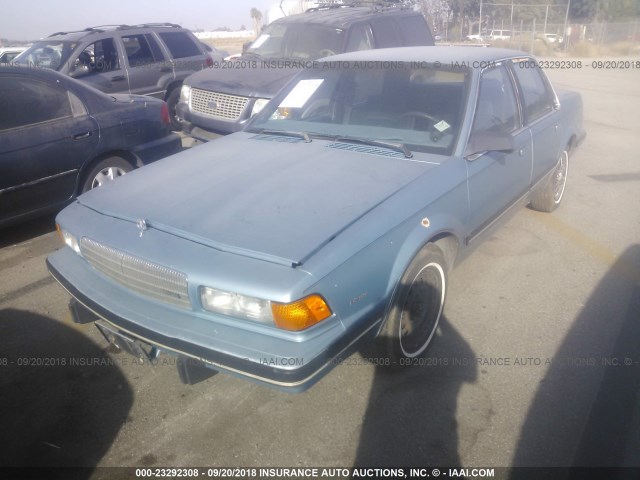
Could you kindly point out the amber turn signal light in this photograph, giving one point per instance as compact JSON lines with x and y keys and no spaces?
{"x":301,"y":314}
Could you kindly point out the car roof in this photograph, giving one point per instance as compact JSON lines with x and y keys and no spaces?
{"x":342,"y":16}
{"x":77,"y":35}
{"x":444,"y":55}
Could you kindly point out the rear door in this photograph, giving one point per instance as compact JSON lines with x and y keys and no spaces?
{"x":540,"y":114}
{"x":149,"y":72}
{"x":185,"y":50}
{"x":45,"y":137}
{"x":497,"y":180}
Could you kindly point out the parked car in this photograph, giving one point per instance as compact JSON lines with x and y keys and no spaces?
{"x":333,"y":218}
{"x":149,"y":59}
{"x":221,"y":100}
{"x":553,"y":38}
{"x":7,"y":54}
{"x":500,"y":35}
{"x":59,"y":138}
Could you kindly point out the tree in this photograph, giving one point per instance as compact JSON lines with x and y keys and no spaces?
{"x":256,"y":16}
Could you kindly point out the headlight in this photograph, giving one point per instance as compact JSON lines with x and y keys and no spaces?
{"x":288,"y":316}
{"x":185,"y":93}
{"x":68,"y":239}
{"x":232,"y":304}
{"x":259,"y":105}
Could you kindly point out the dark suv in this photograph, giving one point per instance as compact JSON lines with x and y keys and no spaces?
{"x":220,"y":100}
{"x":150,"y":59}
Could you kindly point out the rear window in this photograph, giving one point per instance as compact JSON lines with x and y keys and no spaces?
{"x":180,"y":44}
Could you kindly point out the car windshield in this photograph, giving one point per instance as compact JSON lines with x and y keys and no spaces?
{"x":46,"y":54}
{"x":308,"y":41}
{"x":420,"y":108}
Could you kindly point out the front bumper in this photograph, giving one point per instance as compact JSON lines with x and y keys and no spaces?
{"x":296,"y":367}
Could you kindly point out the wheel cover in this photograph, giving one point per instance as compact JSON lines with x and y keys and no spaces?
{"x":560,"y":177}
{"x":107,"y":174}
{"x":421,"y":310}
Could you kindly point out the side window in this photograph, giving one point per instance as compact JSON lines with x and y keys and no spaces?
{"x":537,"y":95}
{"x":497,"y":109}
{"x":180,"y":44}
{"x":137,"y":50}
{"x":385,"y":33}
{"x":155,"y":48}
{"x":415,"y":31}
{"x":100,"y":57}
{"x":360,"y":38}
{"x":25,"y":101}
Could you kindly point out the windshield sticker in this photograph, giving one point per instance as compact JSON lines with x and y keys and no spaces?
{"x":441,"y":126}
{"x":259,"y":41}
{"x":301,"y":93}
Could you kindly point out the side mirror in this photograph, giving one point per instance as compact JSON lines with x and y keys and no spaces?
{"x":480,"y":143}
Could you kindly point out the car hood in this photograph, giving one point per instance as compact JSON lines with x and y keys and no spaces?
{"x":254,"y":80}
{"x":273,"y":198}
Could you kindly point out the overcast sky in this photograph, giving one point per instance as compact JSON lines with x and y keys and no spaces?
{"x":33,"y":19}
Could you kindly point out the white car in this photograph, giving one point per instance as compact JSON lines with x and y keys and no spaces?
{"x":500,"y":35}
{"x":7,"y":54}
{"x":553,"y":38}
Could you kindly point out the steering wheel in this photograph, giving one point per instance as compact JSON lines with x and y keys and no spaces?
{"x":325,"y":52}
{"x":414,"y":115}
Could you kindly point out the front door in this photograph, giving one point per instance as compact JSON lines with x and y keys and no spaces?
{"x":497,"y":179}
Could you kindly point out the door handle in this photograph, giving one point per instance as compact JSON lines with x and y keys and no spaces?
{"x":80,"y":136}
{"x":117,"y":78}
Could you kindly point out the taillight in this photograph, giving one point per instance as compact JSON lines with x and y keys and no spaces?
{"x":164,"y":114}
{"x":209,"y":61}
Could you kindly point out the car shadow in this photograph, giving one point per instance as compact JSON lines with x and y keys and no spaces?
{"x":63,"y":399}
{"x":587,"y":405}
{"x":411,"y":415}
{"x":27,"y":230}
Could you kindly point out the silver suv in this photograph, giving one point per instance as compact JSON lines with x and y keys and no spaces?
{"x":149,"y":59}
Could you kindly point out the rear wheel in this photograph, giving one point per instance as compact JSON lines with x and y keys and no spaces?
{"x":105,"y":171}
{"x":548,"y":198}
{"x":417,"y":305}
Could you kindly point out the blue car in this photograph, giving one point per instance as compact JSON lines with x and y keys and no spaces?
{"x":333,"y":219}
{"x":59,"y":138}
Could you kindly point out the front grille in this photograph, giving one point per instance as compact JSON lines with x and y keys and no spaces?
{"x":218,"y":105}
{"x":139,"y":275}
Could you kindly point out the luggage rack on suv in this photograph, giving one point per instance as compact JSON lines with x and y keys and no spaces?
{"x":104,"y":28}
{"x":373,"y":4}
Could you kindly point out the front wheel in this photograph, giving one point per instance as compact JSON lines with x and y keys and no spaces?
{"x":172,"y":103}
{"x":548,"y":198}
{"x":105,"y":171}
{"x":417,"y":305}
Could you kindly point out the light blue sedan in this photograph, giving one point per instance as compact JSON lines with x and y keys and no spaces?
{"x":333,"y":218}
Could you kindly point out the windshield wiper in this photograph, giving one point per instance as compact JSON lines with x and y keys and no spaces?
{"x":398,"y":147}
{"x":285,"y":133}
